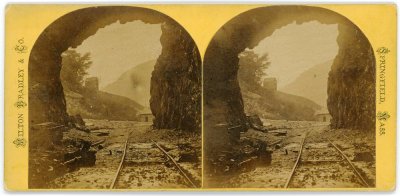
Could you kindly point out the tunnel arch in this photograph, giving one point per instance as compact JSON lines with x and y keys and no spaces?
{"x":175,"y":82}
{"x":351,"y":82}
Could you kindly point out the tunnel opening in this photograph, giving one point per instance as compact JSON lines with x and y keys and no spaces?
{"x":173,"y":94}
{"x":108,"y":76}
{"x":350,"y":83}
{"x":285,"y":76}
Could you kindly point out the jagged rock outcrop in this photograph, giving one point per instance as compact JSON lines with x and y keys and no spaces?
{"x":350,"y":86}
{"x":351,"y":82}
{"x":176,"y":82}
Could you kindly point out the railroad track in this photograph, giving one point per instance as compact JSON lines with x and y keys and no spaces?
{"x":154,"y":145}
{"x":345,"y":159}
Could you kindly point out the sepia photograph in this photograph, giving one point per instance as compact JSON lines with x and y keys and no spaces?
{"x":180,"y":97}
{"x":115,"y":102}
{"x":289,"y":101}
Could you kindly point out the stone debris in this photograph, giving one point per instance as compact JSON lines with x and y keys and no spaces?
{"x":364,"y":156}
{"x":245,"y":156}
{"x":145,"y":166}
{"x":321,"y":165}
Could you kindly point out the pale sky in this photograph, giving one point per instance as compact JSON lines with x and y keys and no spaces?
{"x":118,"y":47}
{"x":295,"y":48}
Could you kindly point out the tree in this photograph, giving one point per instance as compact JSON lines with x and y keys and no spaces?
{"x":74,"y":69}
{"x":252,"y":67}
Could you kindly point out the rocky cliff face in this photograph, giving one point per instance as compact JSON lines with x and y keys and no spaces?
{"x":351,"y":82}
{"x":176,"y":82}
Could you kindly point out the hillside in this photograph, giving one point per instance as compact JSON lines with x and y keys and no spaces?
{"x":101,"y":105}
{"x":276,"y":105}
{"x":311,"y":84}
{"x":134,"y":83}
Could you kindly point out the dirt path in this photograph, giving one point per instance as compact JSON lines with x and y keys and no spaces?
{"x":145,"y":166}
{"x":320,"y":165}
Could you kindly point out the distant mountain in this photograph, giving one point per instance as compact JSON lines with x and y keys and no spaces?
{"x":311,"y":84}
{"x":134,"y":83}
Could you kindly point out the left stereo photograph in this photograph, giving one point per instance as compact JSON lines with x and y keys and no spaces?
{"x":114,"y":102}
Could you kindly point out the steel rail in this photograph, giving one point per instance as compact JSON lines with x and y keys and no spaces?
{"x":360,"y":177}
{"x":363,"y":181}
{"x":176,"y":165}
{"x":297,"y":162}
{"x":120,"y":164}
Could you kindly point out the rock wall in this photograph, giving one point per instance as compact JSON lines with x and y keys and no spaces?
{"x":351,"y":85}
{"x":351,"y":82}
{"x":176,"y":82}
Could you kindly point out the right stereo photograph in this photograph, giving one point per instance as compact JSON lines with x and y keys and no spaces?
{"x":289,"y":101}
